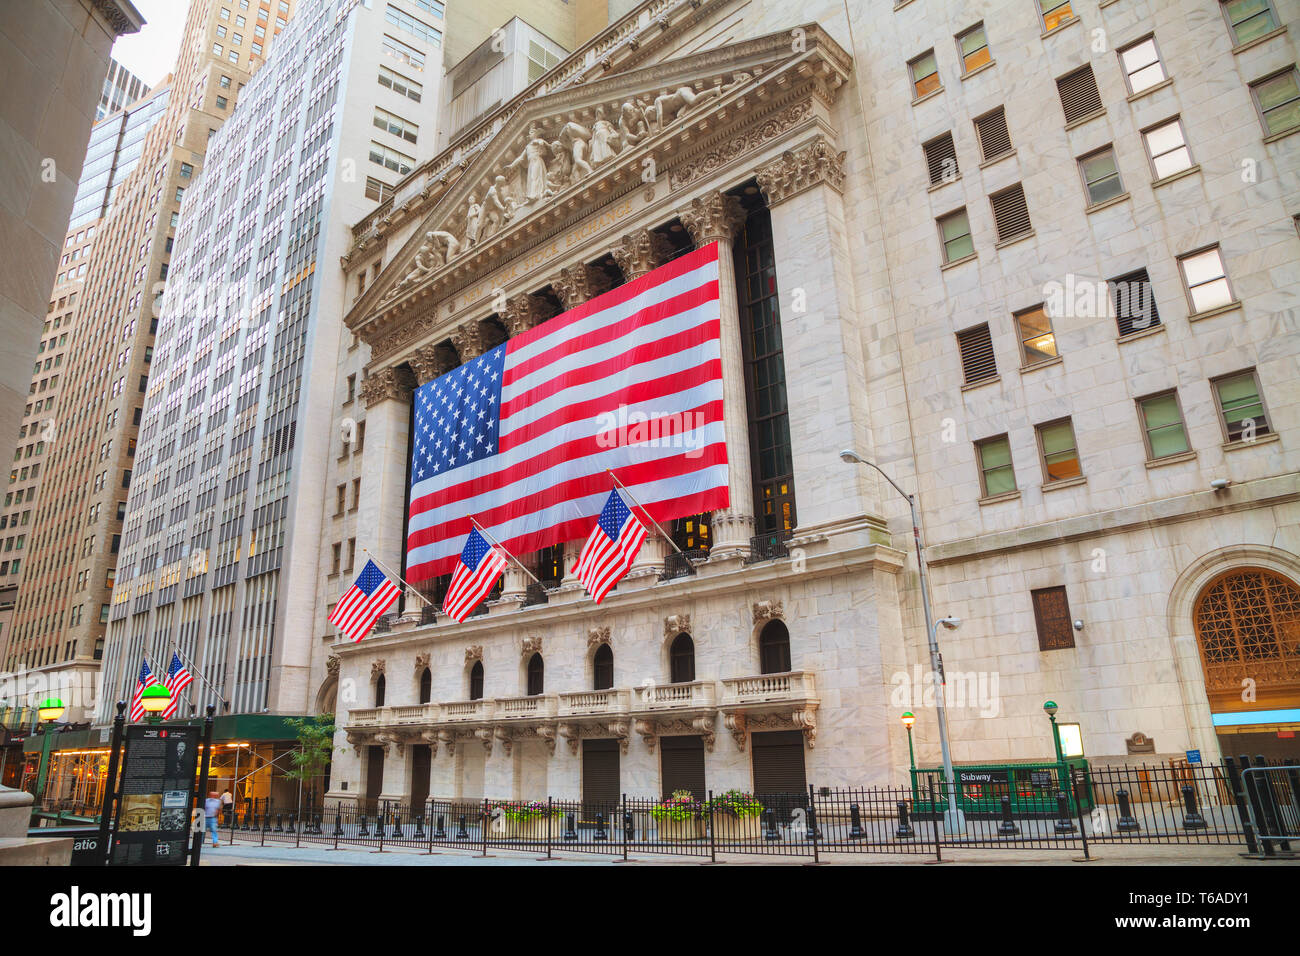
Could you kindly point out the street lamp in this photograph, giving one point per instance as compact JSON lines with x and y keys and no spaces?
{"x":1050,"y":708}
{"x":155,"y":699}
{"x":954,"y":819}
{"x":908,"y":720}
{"x":50,"y":710}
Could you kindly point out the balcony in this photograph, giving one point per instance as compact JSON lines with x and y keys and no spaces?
{"x":768,"y":688}
{"x":769,"y":547}
{"x":412,"y":714}
{"x":786,"y":701}
{"x":595,"y":703}
{"x":526,"y":708}
{"x":368,"y":717}
{"x":466,"y":711}
{"x":695,"y":695}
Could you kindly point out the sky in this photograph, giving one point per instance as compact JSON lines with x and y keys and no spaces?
{"x":151,"y":53}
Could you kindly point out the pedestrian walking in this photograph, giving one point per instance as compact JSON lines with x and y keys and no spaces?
{"x":227,"y":805}
{"x":210,"y":808}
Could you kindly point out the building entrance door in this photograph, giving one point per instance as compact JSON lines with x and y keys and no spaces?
{"x":374,"y":779}
{"x":780,"y":782}
{"x":682,"y":765}
{"x":600,"y":779}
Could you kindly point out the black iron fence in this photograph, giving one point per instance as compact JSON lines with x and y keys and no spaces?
{"x":1249,"y":803}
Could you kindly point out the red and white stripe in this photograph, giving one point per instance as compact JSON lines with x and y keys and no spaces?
{"x":357,"y":611}
{"x":651,"y":347}
{"x":469,"y":586}
{"x":604,"y":561}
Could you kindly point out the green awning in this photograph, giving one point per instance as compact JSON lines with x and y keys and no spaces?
{"x":251,"y":728}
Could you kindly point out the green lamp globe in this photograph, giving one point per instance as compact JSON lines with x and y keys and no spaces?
{"x":908,"y":719}
{"x":51,"y":708}
{"x":155,"y":699}
{"x":1050,"y":707}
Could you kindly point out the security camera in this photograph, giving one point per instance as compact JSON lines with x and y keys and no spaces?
{"x":1078,"y":625}
{"x":1220,"y":484}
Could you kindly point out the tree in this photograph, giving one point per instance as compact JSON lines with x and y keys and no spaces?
{"x":315,"y":748}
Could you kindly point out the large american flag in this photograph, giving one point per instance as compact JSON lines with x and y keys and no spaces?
{"x":522,"y":436}
{"x":146,"y":679}
{"x":178,"y":678}
{"x":611,"y":548}
{"x":477,"y":570}
{"x":368,"y":598}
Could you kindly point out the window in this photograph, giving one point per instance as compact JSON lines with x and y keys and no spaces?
{"x":352,"y":389}
{"x":410,"y":24}
{"x":1162,"y":425}
{"x":997,"y":475}
{"x":1249,"y":19}
{"x":954,"y":233}
{"x":1278,"y":100}
{"x":1079,"y":97}
{"x":476,"y":681}
{"x":977,"y":360}
{"x":973,"y":46}
{"x":361,"y":437}
{"x":991,"y":130}
{"x":356,"y":493}
{"x":433,"y":6}
{"x":681,"y":660}
{"x":379,"y":191}
{"x":399,"y":163}
{"x":392,"y":123}
{"x":536,"y":675}
{"x":1141,"y":64}
{"x":602,"y":668}
{"x":1241,"y":407}
{"x":1166,"y":148}
{"x":352,"y":554}
{"x":1037,"y":342}
{"x":925,"y":74}
{"x":403,"y":53}
{"x":221,"y":102}
{"x":341,"y":504}
{"x":426,"y":686}
{"x":400,"y":84}
{"x":381,"y":687}
{"x":221,"y":31}
{"x":941,"y":159}
{"x":1055,"y":13}
{"x":237,"y":39}
{"x":1100,"y":176}
{"x":1052,"y":618}
{"x":186,"y":169}
{"x":218,"y":49}
{"x":233,"y":56}
{"x":338,"y":556}
{"x":1135,"y":305}
{"x":774,"y":649}
{"x":1205,"y":279}
{"x":1011,"y":213}
{"x":1060,"y":456}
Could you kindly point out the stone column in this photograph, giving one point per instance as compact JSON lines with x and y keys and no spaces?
{"x":636,"y":254}
{"x":381,"y":522}
{"x":468,"y":339}
{"x":822,"y":340}
{"x":716,"y":217}
{"x":576,"y":284}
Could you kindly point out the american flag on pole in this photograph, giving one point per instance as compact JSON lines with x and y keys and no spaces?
{"x":146,"y":679}
{"x":522,"y":436}
{"x":177,"y":679}
{"x":363,"y":603}
{"x":611,"y":548}
{"x":476,"y":571}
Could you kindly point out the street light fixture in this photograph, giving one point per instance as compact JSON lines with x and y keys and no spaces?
{"x":908,"y":720}
{"x":155,"y":699}
{"x":1050,"y":708}
{"x":50,"y":710}
{"x":954,"y":819}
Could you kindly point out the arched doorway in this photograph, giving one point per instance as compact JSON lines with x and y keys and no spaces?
{"x":774,"y":648}
{"x":1247,"y":624}
{"x":536,"y":675}
{"x":681,"y":660}
{"x":602,"y":668}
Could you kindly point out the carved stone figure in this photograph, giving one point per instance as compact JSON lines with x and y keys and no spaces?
{"x":533,"y":161}
{"x":473,"y":215}
{"x":605,"y":141}
{"x":498,"y":207}
{"x":632,"y":127}
{"x":562,"y":172}
{"x":574,"y":138}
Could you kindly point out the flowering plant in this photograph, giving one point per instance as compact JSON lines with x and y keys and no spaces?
{"x":738,"y":803}
{"x":682,"y":805}
{"x":521,"y":812}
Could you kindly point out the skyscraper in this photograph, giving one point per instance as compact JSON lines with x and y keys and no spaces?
{"x":121,"y":89}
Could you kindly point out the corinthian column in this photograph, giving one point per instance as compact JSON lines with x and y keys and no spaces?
{"x":381,"y":523}
{"x":576,"y":284}
{"x":716,"y":217}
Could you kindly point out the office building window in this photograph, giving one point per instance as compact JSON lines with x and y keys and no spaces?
{"x":1205,"y":280}
{"x":1167,"y":148}
{"x":1100,"y":174}
{"x":973,"y":46}
{"x":1060,"y":457}
{"x":1277,"y":98}
{"x":925,"y":74}
{"x":997,"y":474}
{"x":1249,"y":19}
{"x":1241,"y":406}
{"x":1135,"y":304}
{"x":954,"y":233}
{"x":977,"y":360}
{"x":1162,"y":425}
{"x":1054,"y":13}
{"x":1037,"y":341}
{"x":941,"y":159}
{"x":399,"y":163}
{"x":1141,"y":64}
{"x":1079,"y":97}
{"x":1011,"y":213}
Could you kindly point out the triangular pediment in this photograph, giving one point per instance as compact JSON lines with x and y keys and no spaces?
{"x":567,"y":149}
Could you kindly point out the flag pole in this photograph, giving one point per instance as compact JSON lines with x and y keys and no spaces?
{"x":638,"y":504}
{"x":398,"y":576}
{"x":197,"y":673}
{"x":498,"y":544}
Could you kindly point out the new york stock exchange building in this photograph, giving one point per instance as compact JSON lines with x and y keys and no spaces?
{"x":777,"y":643}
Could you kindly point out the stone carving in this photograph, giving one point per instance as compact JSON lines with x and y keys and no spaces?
{"x":801,"y":169}
{"x":574,"y":138}
{"x":522,"y":312}
{"x":639,"y":252}
{"x":685,"y":100}
{"x":1140,"y":743}
{"x":713,"y":217}
{"x":332,"y":665}
{"x":473,"y":653}
{"x":533,"y":164}
{"x":652,"y":728}
{"x":384,"y":384}
{"x":739,"y":727}
{"x":765,"y":611}
{"x":430,"y":361}
{"x":632,"y":127}
{"x":677,"y":624}
{"x":576,"y":284}
{"x":468,"y":339}
{"x":448,"y":741}
{"x":486,"y":735}
{"x":747,"y":142}
{"x":530,"y":646}
{"x":431,"y":739}
{"x":436,"y":251}
{"x":473,"y":218}
{"x":421,"y":662}
{"x":605,"y":141}
{"x":377,"y":668}
{"x":597,"y":636}
{"x":498,"y":207}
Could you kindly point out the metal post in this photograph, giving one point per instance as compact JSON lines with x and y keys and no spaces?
{"x":1127,"y":822}
{"x":904,"y":830}
{"x":1008,"y":826}
{"x":627,"y":826}
{"x":1063,"y":822}
{"x":203,"y":771}
{"x":812,"y":823}
{"x":855,"y":823}
{"x":550,"y":816}
{"x":713,"y":830}
{"x":1078,"y":811}
{"x":110,"y":782}
{"x":1192,"y":819}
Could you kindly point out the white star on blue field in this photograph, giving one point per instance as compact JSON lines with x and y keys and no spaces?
{"x":458,"y":417}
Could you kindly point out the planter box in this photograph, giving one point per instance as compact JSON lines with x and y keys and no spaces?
{"x":534,"y":829}
{"x":680,"y":830}
{"x":728,"y":827}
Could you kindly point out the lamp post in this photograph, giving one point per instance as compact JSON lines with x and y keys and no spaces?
{"x":155,"y":699}
{"x":954,"y":819}
{"x":1050,"y":708}
{"x":50,"y":711}
{"x":908,"y":721}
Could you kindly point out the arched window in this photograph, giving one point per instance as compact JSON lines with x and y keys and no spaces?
{"x":774,"y":648}
{"x":476,"y":681}
{"x":426,"y":686}
{"x":602,"y":667}
{"x":379,"y":691}
{"x":1248,"y":626}
{"x":681,"y":660}
{"x":536,"y":672}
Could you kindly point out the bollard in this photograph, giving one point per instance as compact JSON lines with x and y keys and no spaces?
{"x":266,"y":821}
{"x":315,"y":824}
{"x":904,"y":831}
{"x":397,"y":826}
{"x":600,"y":828}
{"x":292,"y":819}
{"x":1063,"y":822}
{"x":419,"y":828}
{"x":629,"y":834}
{"x":441,"y":832}
{"x":462,"y":833}
{"x":1127,"y":822}
{"x":279,"y":823}
{"x":338,"y":823}
{"x":570,"y":832}
{"x":855,"y":823}
{"x":243,"y":822}
{"x":770,"y":832}
{"x":1008,"y":826}
{"x":1192,"y":819}
{"x":365,"y":827}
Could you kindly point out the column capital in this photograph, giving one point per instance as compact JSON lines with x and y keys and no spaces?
{"x":430,"y":361}
{"x":712,"y":218}
{"x":384,"y":384}
{"x":576,"y":284}
{"x":522,"y":312}
{"x":639,"y":252}
{"x":468,"y":339}
{"x":800,"y":169}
